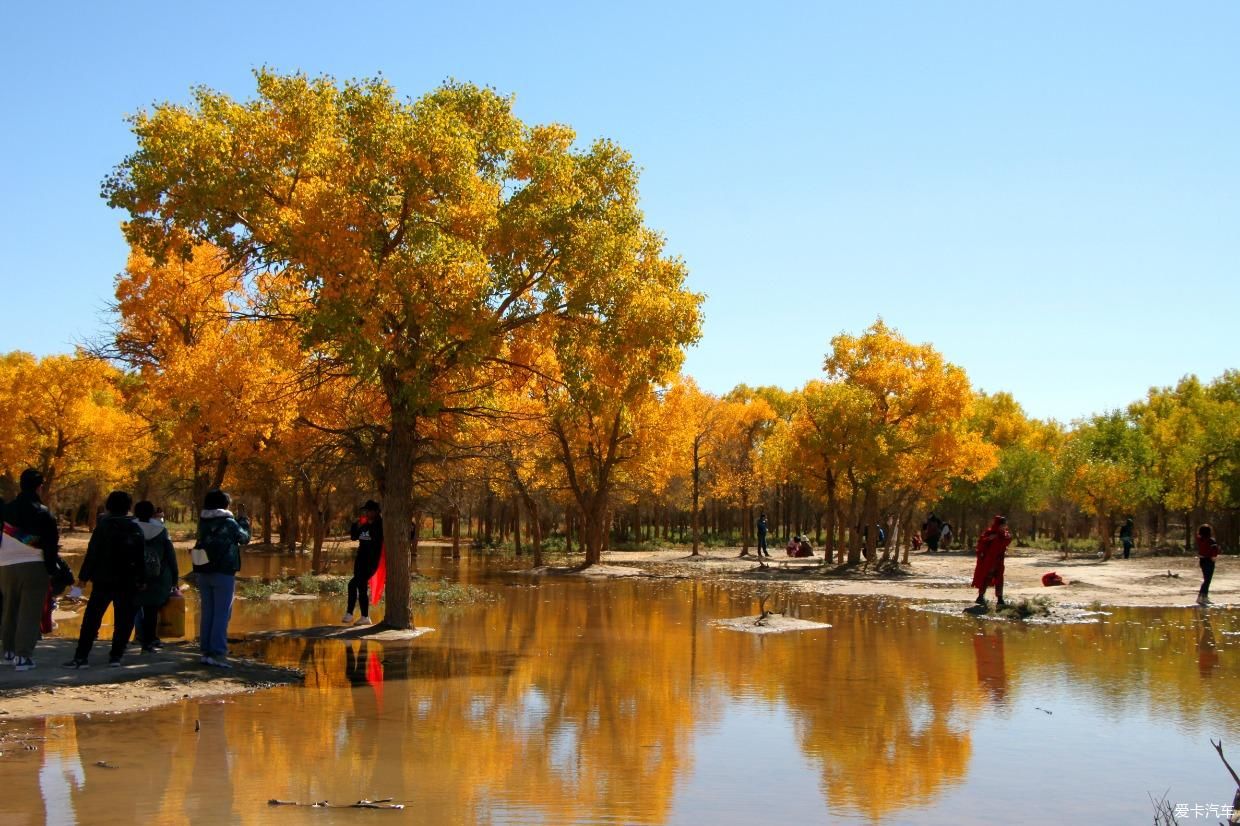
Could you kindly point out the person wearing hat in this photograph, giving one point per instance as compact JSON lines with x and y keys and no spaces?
{"x":28,"y":557}
{"x":368,"y":531}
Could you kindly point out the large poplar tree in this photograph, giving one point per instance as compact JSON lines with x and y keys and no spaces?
{"x":417,"y":244}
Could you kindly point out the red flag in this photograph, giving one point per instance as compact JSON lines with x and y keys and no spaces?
{"x":380,"y":577}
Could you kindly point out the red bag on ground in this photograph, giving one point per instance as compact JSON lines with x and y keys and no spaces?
{"x":1052,"y":578}
{"x":380,"y":577}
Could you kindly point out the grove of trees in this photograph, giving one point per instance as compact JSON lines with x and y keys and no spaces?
{"x":334,"y":293}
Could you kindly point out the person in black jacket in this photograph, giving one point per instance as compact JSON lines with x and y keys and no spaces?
{"x":160,"y":562}
{"x":114,"y":565}
{"x":368,"y":531}
{"x":25,"y":585}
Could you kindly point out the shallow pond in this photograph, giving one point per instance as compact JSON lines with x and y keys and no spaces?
{"x":564,"y":701}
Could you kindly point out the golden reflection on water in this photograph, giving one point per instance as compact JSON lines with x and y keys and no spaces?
{"x":579,"y":702}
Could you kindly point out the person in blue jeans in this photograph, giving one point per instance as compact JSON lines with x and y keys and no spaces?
{"x":217,"y":558}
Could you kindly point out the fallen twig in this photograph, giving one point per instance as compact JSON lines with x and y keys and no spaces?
{"x":381,"y":803}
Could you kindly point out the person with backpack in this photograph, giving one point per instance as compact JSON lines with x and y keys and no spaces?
{"x":115,"y":567}
{"x":29,"y":557}
{"x":368,"y":532}
{"x":217,"y":558}
{"x":160,"y":562}
{"x":945,"y":536}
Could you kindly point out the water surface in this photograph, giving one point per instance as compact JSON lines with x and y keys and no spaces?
{"x":565,"y":701}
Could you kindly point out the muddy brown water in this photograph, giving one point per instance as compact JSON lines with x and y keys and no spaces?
{"x":564,"y":701}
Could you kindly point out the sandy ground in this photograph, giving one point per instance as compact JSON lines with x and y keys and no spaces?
{"x":1140,"y":581}
{"x":770,"y":624}
{"x":143,"y":681}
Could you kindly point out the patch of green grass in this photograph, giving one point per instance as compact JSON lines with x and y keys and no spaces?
{"x":1026,"y":608}
{"x":1046,"y":543}
{"x":304,"y":584}
{"x":422,"y":593}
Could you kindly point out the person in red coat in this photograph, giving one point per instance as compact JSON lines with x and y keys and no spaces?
{"x":1207,"y":552}
{"x":991,"y":549}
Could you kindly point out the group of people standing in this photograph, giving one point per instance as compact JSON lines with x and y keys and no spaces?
{"x":936,"y":533}
{"x":131,"y":566}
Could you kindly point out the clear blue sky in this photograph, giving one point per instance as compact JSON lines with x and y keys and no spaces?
{"x":1049,"y":192}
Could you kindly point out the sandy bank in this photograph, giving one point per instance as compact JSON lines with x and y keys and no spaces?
{"x":1140,"y":581}
{"x":143,"y":681}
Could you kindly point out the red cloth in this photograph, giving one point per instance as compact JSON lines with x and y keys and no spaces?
{"x":379,"y":579}
{"x":1207,"y":548}
{"x":1052,"y":579}
{"x":991,"y":547}
{"x":374,"y":676}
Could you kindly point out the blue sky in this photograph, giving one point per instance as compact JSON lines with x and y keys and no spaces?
{"x":1048,"y":192}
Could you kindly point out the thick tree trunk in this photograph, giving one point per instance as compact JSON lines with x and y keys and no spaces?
{"x":397,"y":503}
{"x":593,"y":533}
{"x":854,"y":535}
{"x":869,"y":518}
{"x":267,"y":510}
{"x":697,"y":489}
{"x":829,"y":550}
{"x":456,"y":533}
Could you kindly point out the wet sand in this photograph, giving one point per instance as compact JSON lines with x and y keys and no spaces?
{"x":143,"y":681}
{"x":1136,"y":582}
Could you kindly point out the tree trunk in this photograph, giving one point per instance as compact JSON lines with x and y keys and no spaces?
{"x":402,"y":449}
{"x":516,"y":526}
{"x":267,"y":511}
{"x":829,"y":550}
{"x":594,"y":529}
{"x":697,"y":489}
{"x":456,"y":532}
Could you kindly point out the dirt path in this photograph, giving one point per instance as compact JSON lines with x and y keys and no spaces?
{"x":144,"y":681}
{"x":1140,"y":581}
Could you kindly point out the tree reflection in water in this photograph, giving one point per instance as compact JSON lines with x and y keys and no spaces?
{"x":571,"y":701}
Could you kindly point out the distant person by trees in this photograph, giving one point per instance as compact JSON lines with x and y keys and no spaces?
{"x":1126,"y":537}
{"x":931,"y":532}
{"x":991,"y":552}
{"x":1207,"y":553}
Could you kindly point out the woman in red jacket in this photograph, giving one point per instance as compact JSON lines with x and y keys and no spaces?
{"x":1207,"y":550}
{"x":991,"y":548}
